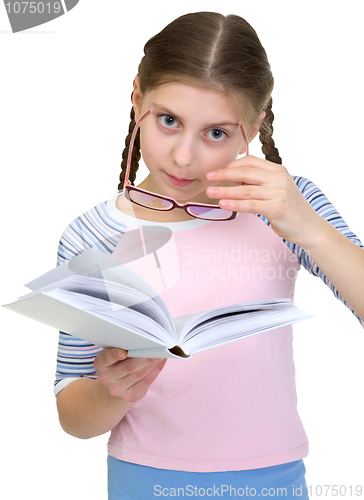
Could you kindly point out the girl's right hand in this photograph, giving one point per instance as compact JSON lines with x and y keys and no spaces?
{"x":126,"y":378}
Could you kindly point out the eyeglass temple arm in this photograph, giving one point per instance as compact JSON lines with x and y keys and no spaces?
{"x":132,"y":139}
{"x":245,"y":137}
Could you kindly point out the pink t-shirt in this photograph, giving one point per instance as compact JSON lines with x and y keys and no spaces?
{"x":232,"y":407}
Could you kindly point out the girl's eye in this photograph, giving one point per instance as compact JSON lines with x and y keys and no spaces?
{"x":168,"y":121}
{"x":216,"y":134}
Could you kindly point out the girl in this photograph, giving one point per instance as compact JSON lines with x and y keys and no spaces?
{"x":224,"y":422}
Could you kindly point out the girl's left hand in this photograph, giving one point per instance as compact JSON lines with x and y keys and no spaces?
{"x":267,"y":189}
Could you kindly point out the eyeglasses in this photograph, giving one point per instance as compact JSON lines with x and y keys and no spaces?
{"x":164,"y":203}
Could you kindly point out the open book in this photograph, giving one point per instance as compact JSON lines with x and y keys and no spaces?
{"x":94,"y":298}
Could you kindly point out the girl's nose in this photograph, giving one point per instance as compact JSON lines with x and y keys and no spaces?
{"x":184,"y":150}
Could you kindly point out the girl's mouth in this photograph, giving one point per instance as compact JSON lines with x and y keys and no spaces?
{"x":179,"y":182}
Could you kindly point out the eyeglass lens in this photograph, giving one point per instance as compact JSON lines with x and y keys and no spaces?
{"x":209,"y":213}
{"x":150,"y":201}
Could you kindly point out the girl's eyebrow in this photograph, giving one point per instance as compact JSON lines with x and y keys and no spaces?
{"x":164,"y":109}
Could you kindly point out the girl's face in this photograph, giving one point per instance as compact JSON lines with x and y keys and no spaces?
{"x":190,"y":132}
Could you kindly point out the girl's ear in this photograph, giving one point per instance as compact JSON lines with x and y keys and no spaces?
{"x":137,"y":98}
{"x":255,"y":129}
{"x":257,"y":124}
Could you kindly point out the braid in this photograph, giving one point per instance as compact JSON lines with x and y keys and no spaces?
{"x":135,"y":155}
{"x":265,"y":135}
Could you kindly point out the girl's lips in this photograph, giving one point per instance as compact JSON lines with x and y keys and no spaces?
{"x":178,"y":182}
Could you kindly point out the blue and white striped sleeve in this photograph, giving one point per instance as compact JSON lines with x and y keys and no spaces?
{"x":75,"y":357}
{"x":94,"y":228}
{"x":324,"y":207}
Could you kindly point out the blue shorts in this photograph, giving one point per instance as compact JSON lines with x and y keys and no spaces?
{"x":127,"y":481}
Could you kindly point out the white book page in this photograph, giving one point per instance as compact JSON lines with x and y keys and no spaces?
{"x":123,"y":316}
{"x":93,"y":262}
{"x":117,"y":296}
{"x":186,"y":323}
{"x":229,"y":328}
{"x":123,"y":275}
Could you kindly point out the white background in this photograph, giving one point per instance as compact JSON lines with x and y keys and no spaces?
{"x":65,"y":104}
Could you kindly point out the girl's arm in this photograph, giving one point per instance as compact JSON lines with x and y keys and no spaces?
{"x":342,"y":262}
{"x":270,"y":191}
{"x":90,"y":407}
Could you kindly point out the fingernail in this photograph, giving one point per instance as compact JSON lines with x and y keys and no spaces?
{"x":120,"y":353}
{"x":210,"y":174}
{"x":211,"y":191}
{"x":224,"y":203}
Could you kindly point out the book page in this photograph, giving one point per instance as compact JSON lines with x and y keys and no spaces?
{"x":234,"y":326}
{"x":123,"y":275}
{"x":187,"y":323}
{"x":96,"y":264}
{"x":118,"y":296}
{"x":126,"y":317}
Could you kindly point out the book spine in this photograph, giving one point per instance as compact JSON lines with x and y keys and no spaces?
{"x":158,"y":352}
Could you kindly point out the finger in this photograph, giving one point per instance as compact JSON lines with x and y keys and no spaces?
{"x":135,"y":385}
{"x":121,"y":375}
{"x":255,"y":162}
{"x":243,"y":192}
{"x":247,"y":166}
{"x":131,"y":370}
{"x":241,"y":175}
{"x":109,"y":357}
{"x":147,"y":375}
{"x":244,"y":175}
{"x":135,"y":365}
{"x":246,"y":206}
